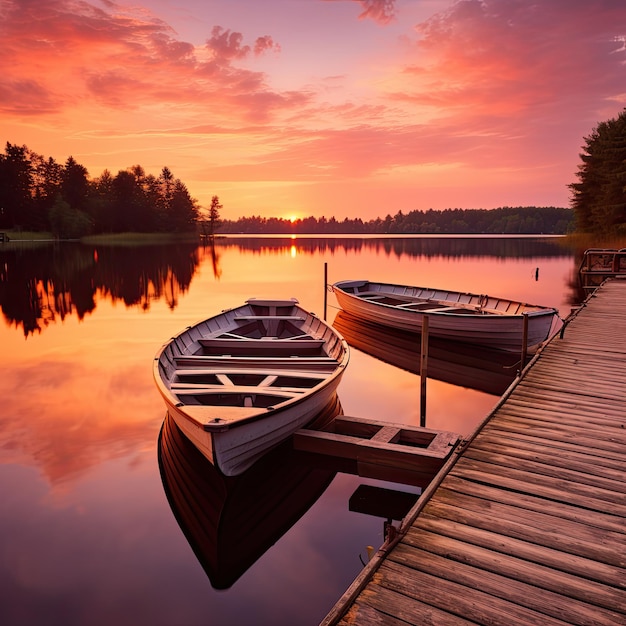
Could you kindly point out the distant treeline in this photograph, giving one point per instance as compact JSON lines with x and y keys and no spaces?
{"x":505,"y":220}
{"x":37,"y":193}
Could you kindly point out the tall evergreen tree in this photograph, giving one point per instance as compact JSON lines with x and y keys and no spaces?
{"x":599,"y":198}
{"x":183,"y":210}
{"x":47,"y":179}
{"x":75,"y":184}
{"x":16,"y":179}
{"x":214,"y":214}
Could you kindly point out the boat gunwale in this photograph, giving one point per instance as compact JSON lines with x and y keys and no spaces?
{"x":538,"y":311}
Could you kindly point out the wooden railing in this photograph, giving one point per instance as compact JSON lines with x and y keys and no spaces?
{"x":598,"y":264}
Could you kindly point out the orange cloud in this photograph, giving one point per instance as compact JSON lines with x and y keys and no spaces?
{"x":123,"y":59}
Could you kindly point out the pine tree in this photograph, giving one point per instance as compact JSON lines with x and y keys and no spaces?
{"x":214,"y":214}
{"x":599,"y":198}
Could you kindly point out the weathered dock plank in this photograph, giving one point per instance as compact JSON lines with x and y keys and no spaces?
{"x":570,"y":585}
{"x":428,"y":529}
{"x":477,"y":569}
{"x":564,"y":508}
{"x":526,"y":522}
{"x":548,"y":465}
{"x":531,"y":482}
{"x":579,"y":461}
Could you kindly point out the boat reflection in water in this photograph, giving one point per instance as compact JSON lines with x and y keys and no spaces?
{"x":231,"y":521}
{"x":465,"y":365}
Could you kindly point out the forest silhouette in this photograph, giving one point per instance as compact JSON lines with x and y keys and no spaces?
{"x":504,"y":220}
{"x":40,"y":194}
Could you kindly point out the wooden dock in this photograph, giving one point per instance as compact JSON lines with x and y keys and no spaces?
{"x":526,"y":522}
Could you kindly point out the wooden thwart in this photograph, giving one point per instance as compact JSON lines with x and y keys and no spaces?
{"x":317,"y":363}
{"x":262,"y":347}
{"x":373,"y":442}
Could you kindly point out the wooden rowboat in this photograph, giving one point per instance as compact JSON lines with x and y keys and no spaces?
{"x":241,"y":382}
{"x":231,"y":521}
{"x":453,"y":315}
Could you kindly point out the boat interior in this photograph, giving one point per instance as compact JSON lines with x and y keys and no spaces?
{"x":420,"y":304}
{"x":264,"y":356}
{"x":250,"y":373}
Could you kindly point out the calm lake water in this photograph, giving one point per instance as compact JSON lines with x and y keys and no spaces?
{"x":87,"y":532}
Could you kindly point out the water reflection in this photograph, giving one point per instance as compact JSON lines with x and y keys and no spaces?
{"x":40,"y":285}
{"x":473,"y":367}
{"x":43,"y":284}
{"x":215,"y":260}
{"x":230,"y":522}
{"x":428,"y":247}
{"x":86,"y":533}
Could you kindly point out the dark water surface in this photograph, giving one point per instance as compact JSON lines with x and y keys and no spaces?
{"x":96,"y":528}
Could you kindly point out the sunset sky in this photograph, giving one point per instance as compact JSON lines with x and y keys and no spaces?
{"x":345,"y":108}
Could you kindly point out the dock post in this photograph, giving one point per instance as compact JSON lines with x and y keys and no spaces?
{"x":325,"y":288}
{"x":423,"y":371}
{"x":524,"y":342}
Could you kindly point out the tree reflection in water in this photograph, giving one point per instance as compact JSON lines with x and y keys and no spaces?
{"x":44,"y":283}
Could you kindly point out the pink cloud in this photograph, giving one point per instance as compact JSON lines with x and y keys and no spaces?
{"x":26,"y":97}
{"x":226,"y":45}
{"x":124,"y":58}
{"x":381,"y":11}
{"x":506,"y":56}
{"x":264,"y":44}
{"x":507,"y":85}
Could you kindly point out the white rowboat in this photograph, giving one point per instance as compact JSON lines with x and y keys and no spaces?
{"x":452,"y":315}
{"x":240,"y":383}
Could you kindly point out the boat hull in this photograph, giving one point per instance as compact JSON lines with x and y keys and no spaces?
{"x":241,"y":382}
{"x":468,"y":318}
{"x":235,"y":450}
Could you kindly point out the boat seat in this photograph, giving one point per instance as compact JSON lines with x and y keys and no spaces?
{"x":248,"y":318}
{"x":406,"y":300}
{"x":186,"y":389}
{"x":315,"y":363}
{"x":453,"y":309}
{"x":263,"y":347}
{"x":421,"y":306}
{"x":242,"y":369}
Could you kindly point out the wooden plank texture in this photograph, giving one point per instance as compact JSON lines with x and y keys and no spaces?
{"x":526,"y":522}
